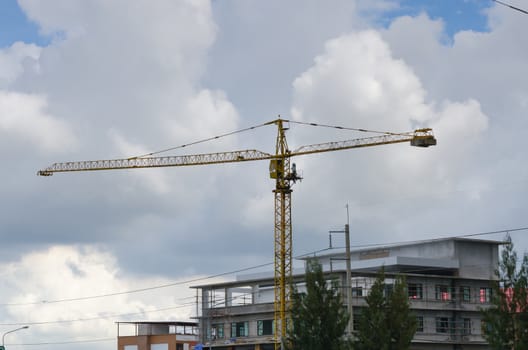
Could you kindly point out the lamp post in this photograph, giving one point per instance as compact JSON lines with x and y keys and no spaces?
{"x":11,"y":331}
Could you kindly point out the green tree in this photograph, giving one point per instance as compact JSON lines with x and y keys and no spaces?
{"x":373,"y":333}
{"x":401,"y":320}
{"x":387,"y":322}
{"x":319,"y":319}
{"x":505,"y":323}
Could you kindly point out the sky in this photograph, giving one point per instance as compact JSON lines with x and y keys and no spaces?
{"x":108,"y":79}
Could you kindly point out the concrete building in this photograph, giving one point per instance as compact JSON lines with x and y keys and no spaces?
{"x":449,"y":281}
{"x":157,"y":335}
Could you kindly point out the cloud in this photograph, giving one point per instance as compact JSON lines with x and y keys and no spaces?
{"x":24,"y":117}
{"x":37,"y":287}
{"x":357,"y":82}
{"x":488,"y":68}
{"x":124,"y":78}
{"x":106,"y":70}
{"x":15,"y":59}
{"x":209,"y":113}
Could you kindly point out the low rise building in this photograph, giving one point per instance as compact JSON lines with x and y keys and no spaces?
{"x":150,"y":335}
{"x":448,"y":282}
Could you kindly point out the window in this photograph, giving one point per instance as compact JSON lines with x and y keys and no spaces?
{"x":267,"y":346}
{"x":265,"y":327}
{"x":415,"y":291}
{"x":419,"y":324}
{"x":217,"y":331}
{"x":442,"y":293}
{"x":388,"y":290}
{"x":465,"y":293}
{"x":442,"y":325}
{"x":357,"y":291}
{"x":162,"y":346}
{"x":485,"y":295}
{"x":355,"y":322}
{"x":466,"y":327}
{"x":239,"y":329}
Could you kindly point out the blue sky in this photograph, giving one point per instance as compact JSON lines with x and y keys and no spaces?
{"x":458,"y":15}
{"x":14,"y":26}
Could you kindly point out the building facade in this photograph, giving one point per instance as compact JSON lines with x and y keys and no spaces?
{"x":448,"y":282}
{"x":157,"y":335}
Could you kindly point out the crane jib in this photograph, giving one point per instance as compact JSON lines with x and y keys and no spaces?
{"x":153,"y":162}
{"x":420,"y":138}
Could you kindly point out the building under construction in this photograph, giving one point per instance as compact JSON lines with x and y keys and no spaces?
{"x":449,"y":281}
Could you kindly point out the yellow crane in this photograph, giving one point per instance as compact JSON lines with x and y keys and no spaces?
{"x":281,"y":170}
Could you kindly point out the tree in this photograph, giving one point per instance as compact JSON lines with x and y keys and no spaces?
{"x":401,"y":320}
{"x":387,"y":322}
{"x":373,"y":333}
{"x":505,"y":323}
{"x":319,"y":319}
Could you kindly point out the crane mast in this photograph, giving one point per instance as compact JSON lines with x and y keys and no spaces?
{"x":281,"y":170}
{"x":284,"y":176}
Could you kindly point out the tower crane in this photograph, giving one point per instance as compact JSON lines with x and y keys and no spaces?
{"x":281,"y":170}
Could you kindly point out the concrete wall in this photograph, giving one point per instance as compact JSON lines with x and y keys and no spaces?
{"x":477,"y":260}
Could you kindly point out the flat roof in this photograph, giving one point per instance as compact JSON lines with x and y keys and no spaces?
{"x":402,"y":244}
{"x":168,"y":323}
{"x":367,"y":265}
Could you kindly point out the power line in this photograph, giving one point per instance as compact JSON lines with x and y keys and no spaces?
{"x":67,"y":342}
{"x":506,"y":231}
{"x":247,"y":269}
{"x":136,"y":290}
{"x":36,"y":323}
{"x":373,"y":245}
{"x":96,"y":318}
{"x":512,"y":7}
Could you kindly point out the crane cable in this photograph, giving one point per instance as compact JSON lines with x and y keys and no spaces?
{"x":352,"y":129}
{"x":199,"y":141}
{"x":259,"y":126}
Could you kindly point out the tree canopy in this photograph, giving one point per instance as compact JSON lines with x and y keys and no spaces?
{"x":319,"y":318}
{"x":387,"y":322}
{"x":505,"y":323}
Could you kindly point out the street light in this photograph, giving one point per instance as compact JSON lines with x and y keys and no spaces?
{"x":11,"y":331}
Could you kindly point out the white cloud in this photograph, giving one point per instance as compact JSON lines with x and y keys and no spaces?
{"x":357,"y":80}
{"x":15,"y":59}
{"x":487,"y":68}
{"x":358,"y":83}
{"x":122,"y":78}
{"x":132,"y":67}
{"x":208,"y":114}
{"x":25,"y":117}
{"x":38,"y":286}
